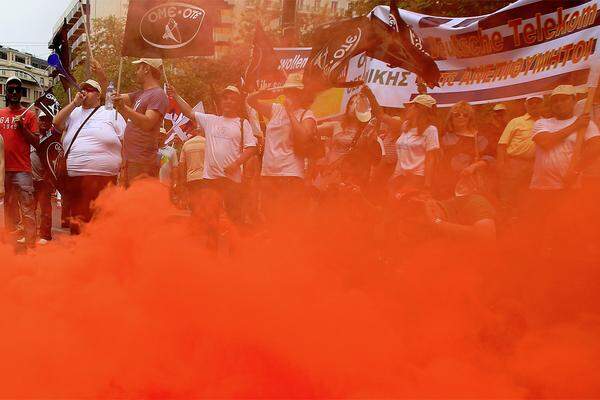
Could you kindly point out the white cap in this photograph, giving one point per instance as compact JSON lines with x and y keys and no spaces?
{"x":232,"y":88}
{"x":568,"y":90}
{"x":534,"y":96}
{"x":153,"y":62}
{"x":14,"y":79}
{"x":94,"y":84}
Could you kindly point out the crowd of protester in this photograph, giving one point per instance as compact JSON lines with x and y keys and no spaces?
{"x":267,"y":156}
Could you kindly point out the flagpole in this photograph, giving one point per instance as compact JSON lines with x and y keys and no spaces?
{"x":90,"y":55}
{"x":119,"y":81}
{"x":165,"y":72}
{"x":578,"y":150}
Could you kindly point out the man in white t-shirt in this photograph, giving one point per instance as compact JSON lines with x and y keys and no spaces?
{"x":94,"y":154}
{"x":229,"y":144}
{"x":555,"y":139}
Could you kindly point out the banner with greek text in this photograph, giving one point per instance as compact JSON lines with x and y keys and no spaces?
{"x":528,"y":47}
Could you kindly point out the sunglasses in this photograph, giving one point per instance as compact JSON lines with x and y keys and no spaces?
{"x":89,"y":90}
{"x":13,"y":90}
{"x":460,"y":114}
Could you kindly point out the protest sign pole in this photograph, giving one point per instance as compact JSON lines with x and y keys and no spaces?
{"x":90,"y":55}
{"x":572,"y":175}
{"x":119,"y":81}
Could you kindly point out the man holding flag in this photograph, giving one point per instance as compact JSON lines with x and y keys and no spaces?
{"x":144,"y":111}
{"x":19,"y":130}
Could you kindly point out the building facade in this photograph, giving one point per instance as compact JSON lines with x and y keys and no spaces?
{"x":31,"y":70}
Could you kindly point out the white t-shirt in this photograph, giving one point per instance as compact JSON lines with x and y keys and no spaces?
{"x":412,"y":148}
{"x":551,"y":165}
{"x":97,"y":148}
{"x":279,"y":158}
{"x":168,"y":161}
{"x":223,"y":144}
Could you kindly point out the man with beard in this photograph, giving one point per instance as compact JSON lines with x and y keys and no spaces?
{"x":143,"y":110}
{"x":19,"y":129}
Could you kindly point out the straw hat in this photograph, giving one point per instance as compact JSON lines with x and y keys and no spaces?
{"x":424,"y":100}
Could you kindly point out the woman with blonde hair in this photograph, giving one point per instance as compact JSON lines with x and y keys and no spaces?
{"x":467,"y":155}
{"x":417,"y":146}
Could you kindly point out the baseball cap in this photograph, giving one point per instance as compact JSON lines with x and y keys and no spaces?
{"x":153,"y":62}
{"x":231,"y":88}
{"x":534,"y":96}
{"x":14,"y":79}
{"x":568,"y":90}
{"x":424,"y":100}
{"x":500,"y":107}
{"x":94,"y":84}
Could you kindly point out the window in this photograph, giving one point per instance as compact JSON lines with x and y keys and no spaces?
{"x":334,"y":7}
{"x":3,"y":56}
{"x":20,"y":59}
{"x":317,"y":4}
{"x":1,"y":89}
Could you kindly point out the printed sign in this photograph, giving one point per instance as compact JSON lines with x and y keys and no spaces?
{"x":171,"y":29}
{"x":528,"y":47}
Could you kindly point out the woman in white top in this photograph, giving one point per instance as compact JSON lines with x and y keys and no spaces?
{"x":94,"y":159}
{"x":291,"y":128}
{"x":417,"y":146}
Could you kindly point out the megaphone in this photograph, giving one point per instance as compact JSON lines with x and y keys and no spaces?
{"x":54,"y":62}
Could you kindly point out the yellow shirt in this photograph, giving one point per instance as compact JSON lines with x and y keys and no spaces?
{"x":192,"y":155}
{"x":517,"y":137}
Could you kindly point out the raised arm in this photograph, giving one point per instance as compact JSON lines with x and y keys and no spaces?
{"x":394,"y":124}
{"x":186,"y":109}
{"x":60,"y":119}
{"x":547,"y":140}
{"x":146,"y":121}
{"x":254,"y":101}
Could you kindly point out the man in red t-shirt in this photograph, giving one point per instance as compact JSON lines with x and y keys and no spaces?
{"x":19,"y":130}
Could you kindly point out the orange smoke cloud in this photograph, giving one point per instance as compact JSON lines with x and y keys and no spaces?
{"x":137,"y":307}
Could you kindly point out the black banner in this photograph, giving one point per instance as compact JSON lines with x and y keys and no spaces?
{"x":171,"y":29}
{"x":48,"y":103}
{"x":334,"y":44}
{"x":400,"y":47}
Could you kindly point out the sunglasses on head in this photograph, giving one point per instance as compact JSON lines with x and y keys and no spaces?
{"x":460,"y":114}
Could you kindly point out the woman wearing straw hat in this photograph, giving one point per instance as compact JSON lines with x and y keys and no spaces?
{"x":417,"y":146}
{"x":291,"y":128}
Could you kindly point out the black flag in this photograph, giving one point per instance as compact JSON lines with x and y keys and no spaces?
{"x":48,"y":103}
{"x":400,"y":47}
{"x":171,"y":29}
{"x":334,"y":44}
{"x":264,"y":62}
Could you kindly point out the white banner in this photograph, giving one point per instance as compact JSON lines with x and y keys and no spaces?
{"x":528,"y":47}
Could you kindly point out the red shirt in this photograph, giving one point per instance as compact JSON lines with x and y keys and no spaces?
{"x":16,"y":148}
